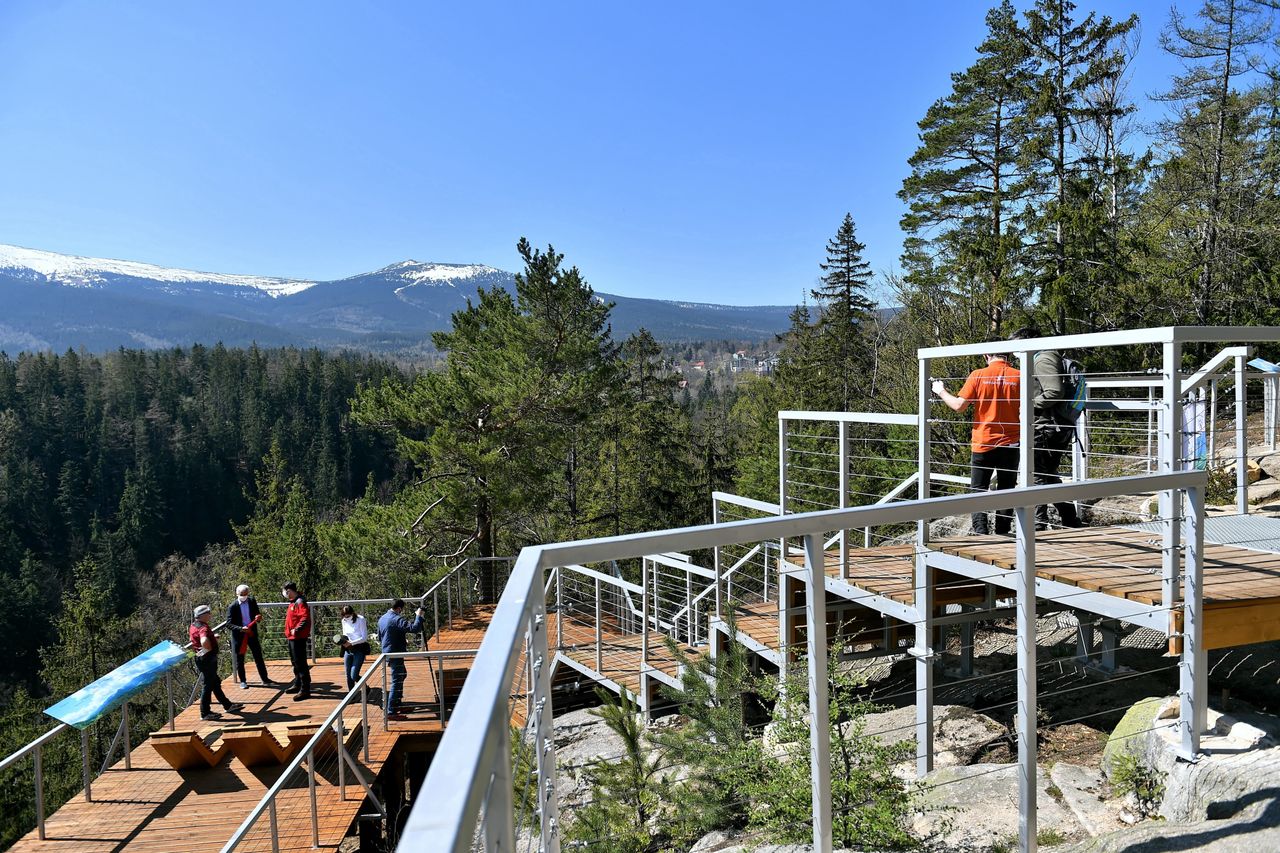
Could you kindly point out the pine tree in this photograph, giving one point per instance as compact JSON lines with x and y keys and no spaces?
{"x":523,"y":374}
{"x":842,"y":345}
{"x":968,"y":184}
{"x":1075,"y":59}
{"x":1212,"y":132}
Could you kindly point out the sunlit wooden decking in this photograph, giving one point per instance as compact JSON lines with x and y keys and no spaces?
{"x":155,"y":809}
{"x":1241,"y":584}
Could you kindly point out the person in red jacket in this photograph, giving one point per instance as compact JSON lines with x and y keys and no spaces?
{"x":297,"y":628}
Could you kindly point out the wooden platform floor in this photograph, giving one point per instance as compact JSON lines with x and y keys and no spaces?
{"x":759,"y":622}
{"x":1241,"y":585}
{"x":620,"y":652}
{"x":152,"y":808}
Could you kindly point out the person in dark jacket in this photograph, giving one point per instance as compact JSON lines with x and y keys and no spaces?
{"x":1052,"y":435}
{"x":297,"y":628}
{"x":243,"y":618}
{"x":393,"y":631}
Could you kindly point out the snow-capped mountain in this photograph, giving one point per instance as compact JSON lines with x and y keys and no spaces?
{"x":53,"y":301}
{"x":75,"y":271}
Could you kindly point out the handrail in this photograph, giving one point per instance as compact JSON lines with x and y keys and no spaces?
{"x":460,"y":774}
{"x":888,"y":418}
{"x":282,"y":781}
{"x":749,"y":503}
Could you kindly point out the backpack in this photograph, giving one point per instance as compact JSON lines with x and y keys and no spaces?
{"x":1075,"y":392}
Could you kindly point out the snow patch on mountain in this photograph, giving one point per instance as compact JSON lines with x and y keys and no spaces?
{"x":76,"y":271}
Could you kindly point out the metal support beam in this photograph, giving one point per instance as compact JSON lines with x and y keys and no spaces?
{"x":1242,"y":441}
{"x":842,"y":455}
{"x":499,"y":816}
{"x":1170,"y":461}
{"x":923,"y":600}
{"x":548,"y":807}
{"x":85,"y":771}
{"x":819,"y":710}
{"x":1027,"y":723}
{"x":1194,"y":672}
{"x":923,"y":653}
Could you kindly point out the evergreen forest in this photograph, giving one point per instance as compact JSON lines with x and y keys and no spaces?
{"x":136,"y":484}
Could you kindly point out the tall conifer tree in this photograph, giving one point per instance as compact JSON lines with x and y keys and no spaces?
{"x":844,"y":309}
{"x":968,"y":184}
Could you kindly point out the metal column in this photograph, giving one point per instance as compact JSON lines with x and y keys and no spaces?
{"x":1170,"y":456}
{"x":923,"y":594}
{"x":1242,"y":441}
{"x":1194,"y":672}
{"x":543,"y":734}
{"x":819,"y":710}
{"x":1026,"y":617}
{"x":842,"y":456}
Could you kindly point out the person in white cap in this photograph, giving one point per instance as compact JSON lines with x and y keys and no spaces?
{"x":205,"y":642}
{"x":243,"y":618}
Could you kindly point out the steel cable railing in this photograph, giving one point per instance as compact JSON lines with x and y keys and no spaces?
{"x":468,"y":776}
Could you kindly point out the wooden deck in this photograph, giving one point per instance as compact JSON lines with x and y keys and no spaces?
{"x":1241,"y":585}
{"x":153,"y":808}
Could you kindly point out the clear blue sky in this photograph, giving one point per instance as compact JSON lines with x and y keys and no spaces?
{"x":696,"y":150}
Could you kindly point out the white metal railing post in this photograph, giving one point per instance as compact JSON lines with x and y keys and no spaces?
{"x":923,"y":599}
{"x":924,"y":451}
{"x":1211,"y":444}
{"x":1027,"y":718}
{"x":128,"y":741}
{"x":1194,"y":672}
{"x":599,"y":655}
{"x":715,"y":564}
{"x":688,"y":611}
{"x":843,"y":501}
{"x":168,"y":696}
{"x":1242,"y":440}
{"x":560,"y":609}
{"x":544,"y":732}
{"x":38,"y":758}
{"x":1151,"y":425}
{"x":644,"y":614}
{"x":275,"y":827}
{"x":85,"y":771}
{"x":499,"y":814}
{"x":1170,"y":461}
{"x":782,"y":465}
{"x":819,"y":709}
{"x":364,"y":719}
{"x":342,"y":769}
{"x":311,"y":791}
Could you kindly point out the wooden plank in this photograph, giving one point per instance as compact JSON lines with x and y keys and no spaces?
{"x":1241,"y":624}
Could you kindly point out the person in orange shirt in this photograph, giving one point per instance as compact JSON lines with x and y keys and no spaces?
{"x":993,"y":391}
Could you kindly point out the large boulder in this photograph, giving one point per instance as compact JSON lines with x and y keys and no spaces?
{"x":976,"y":808}
{"x":1239,"y":765}
{"x":959,"y":732}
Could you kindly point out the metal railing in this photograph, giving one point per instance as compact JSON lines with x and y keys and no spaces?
{"x":305,"y":761}
{"x":471,"y":775}
{"x":35,"y":748}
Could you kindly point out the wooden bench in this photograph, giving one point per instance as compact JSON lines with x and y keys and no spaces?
{"x":186,"y":750}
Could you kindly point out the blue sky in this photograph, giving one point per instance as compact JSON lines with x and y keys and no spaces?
{"x":695,"y":151}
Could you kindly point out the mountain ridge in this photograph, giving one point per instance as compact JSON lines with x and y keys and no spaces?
{"x":57,"y":301}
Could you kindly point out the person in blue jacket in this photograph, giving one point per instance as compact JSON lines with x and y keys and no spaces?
{"x":393,"y":630}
